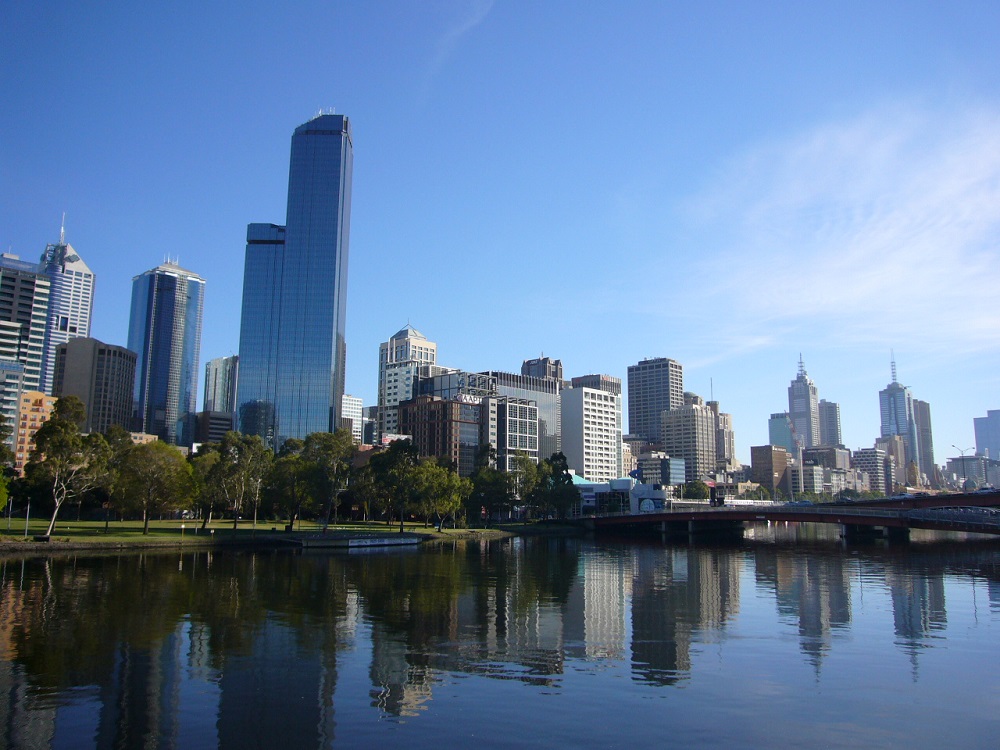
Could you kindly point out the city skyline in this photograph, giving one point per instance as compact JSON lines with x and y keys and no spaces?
{"x":873,"y":165}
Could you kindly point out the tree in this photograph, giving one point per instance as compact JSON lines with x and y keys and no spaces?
{"x":492,"y":491}
{"x":239,"y":473}
{"x":289,"y":480}
{"x":697,"y":490}
{"x":556,"y":492}
{"x":202,"y":467}
{"x":67,"y":462}
{"x":329,"y":454}
{"x":392,"y":470}
{"x":154,"y":478}
{"x":525,"y":476}
{"x":440,"y":491}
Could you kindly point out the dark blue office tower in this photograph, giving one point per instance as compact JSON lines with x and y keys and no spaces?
{"x":164,"y":330}
{"x":292,"y":349}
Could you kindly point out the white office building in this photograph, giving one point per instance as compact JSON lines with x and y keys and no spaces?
{"x":399,"y":361}
{"x":592,"y":433}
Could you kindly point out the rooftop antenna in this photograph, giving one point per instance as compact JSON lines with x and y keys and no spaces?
{"x":711,"y":389}
{"x":802,"y":366}
{"x":62,"y":230}
{"x":892,"y":357}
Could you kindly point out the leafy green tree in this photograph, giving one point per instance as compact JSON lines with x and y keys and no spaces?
{"x":202,"y":470}
{"x":556,"y":492}
{"x":525,"y":477}
{"x":697,"y":490}
{"x":329,"y":454}
{"x":238,"y":475}
{"x":290,"y":480}
{"x":155,"y":477}
{"x":492,"y":492}
{"x":68,"y":463}
{"x":362,"y":489}
{"x":392,"y":471}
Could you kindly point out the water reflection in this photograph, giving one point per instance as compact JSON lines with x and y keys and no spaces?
{"x":263,"y":649}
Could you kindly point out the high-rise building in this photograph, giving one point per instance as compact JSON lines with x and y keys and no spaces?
{"x":896,"y":411}
{"x":781,"y":432}
{"x":164,"y":330}
{"x":11,"y":387}
{"x":803,"y":407}
{"x":102,"y":376}
{"x":925,"y":439}
{"x":592,"y":432}
{"x":770,"y":468}
{"x":400,"y":360}
{"x":543,"y":367}
{"x":221,"y":378}
{"x":654,"y":386}
{"x":878,"y":466}
{"x":988,"y":434}
{"x":71,"y":302}
{"x":292,"y":347}
{"x":725,"y":438}
{"x":35,"y":409}
{"x":829,"y":423}
{"x":24,"y":309}
{"x":545,"y":393}
{"x":688,"y":432}
{"x":606,"y":383}
{"x":351,"y":407}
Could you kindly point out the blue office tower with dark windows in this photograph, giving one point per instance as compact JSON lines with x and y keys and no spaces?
{"x":292,"y":348}
{"x":164,"y":330}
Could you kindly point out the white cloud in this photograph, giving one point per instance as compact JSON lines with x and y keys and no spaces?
{"x":878,"y":230}
{"x":471,"y":15}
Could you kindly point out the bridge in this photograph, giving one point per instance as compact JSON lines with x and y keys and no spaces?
{"x":975,"y":513}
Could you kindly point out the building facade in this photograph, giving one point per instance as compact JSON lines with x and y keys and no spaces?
{"x":24,"y":310}
{"x":165,"y":332}
{"x":988,"y":434}
{"x":221,"y":379}
{"x":803,"y":407}
{"x":725,"y":438}
{"x":34,"y":411}
{"x":102,"y":376}
{"x":407,"y":355}
{"x":781,"y":432}
{"x":654,"y":386}
{"x":11,"y":388}
{"x":897,"y":418}
{"x":292,"y":345}
{"x":351,"y":408}
{"x":544,"y":392}
{"x":71,"y":302}
{"x":925,"y":440}
{"x":688,"y":432}
{"x":592,"y":433}
{"x":543,"y":367}
{"x":829,"y":423}
{"x":878,"y":466}
{"x":770,"y":468}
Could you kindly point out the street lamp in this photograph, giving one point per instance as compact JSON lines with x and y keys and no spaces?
{"x":965,"y":470}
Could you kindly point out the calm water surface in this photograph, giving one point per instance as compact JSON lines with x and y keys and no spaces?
{"x":526,"y":642}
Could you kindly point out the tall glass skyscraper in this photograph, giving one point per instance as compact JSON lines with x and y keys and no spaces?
{"x":292,"y":349}
{"x":164,"y":330}
{"x":71,"y":302}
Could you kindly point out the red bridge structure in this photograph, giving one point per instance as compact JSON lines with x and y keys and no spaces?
{"x":974,"y":512}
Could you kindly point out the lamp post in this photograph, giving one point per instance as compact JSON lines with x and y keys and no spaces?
{"x":965,"y":470}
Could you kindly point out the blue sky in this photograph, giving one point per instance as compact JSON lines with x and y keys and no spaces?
{"x":725,"y":184}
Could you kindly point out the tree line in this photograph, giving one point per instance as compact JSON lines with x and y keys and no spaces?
{"x":314,"y":478}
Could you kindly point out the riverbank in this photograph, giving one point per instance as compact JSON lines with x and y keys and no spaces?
{"x":172,"y":535}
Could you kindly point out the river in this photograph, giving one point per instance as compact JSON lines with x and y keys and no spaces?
{"x":788,"y":638}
